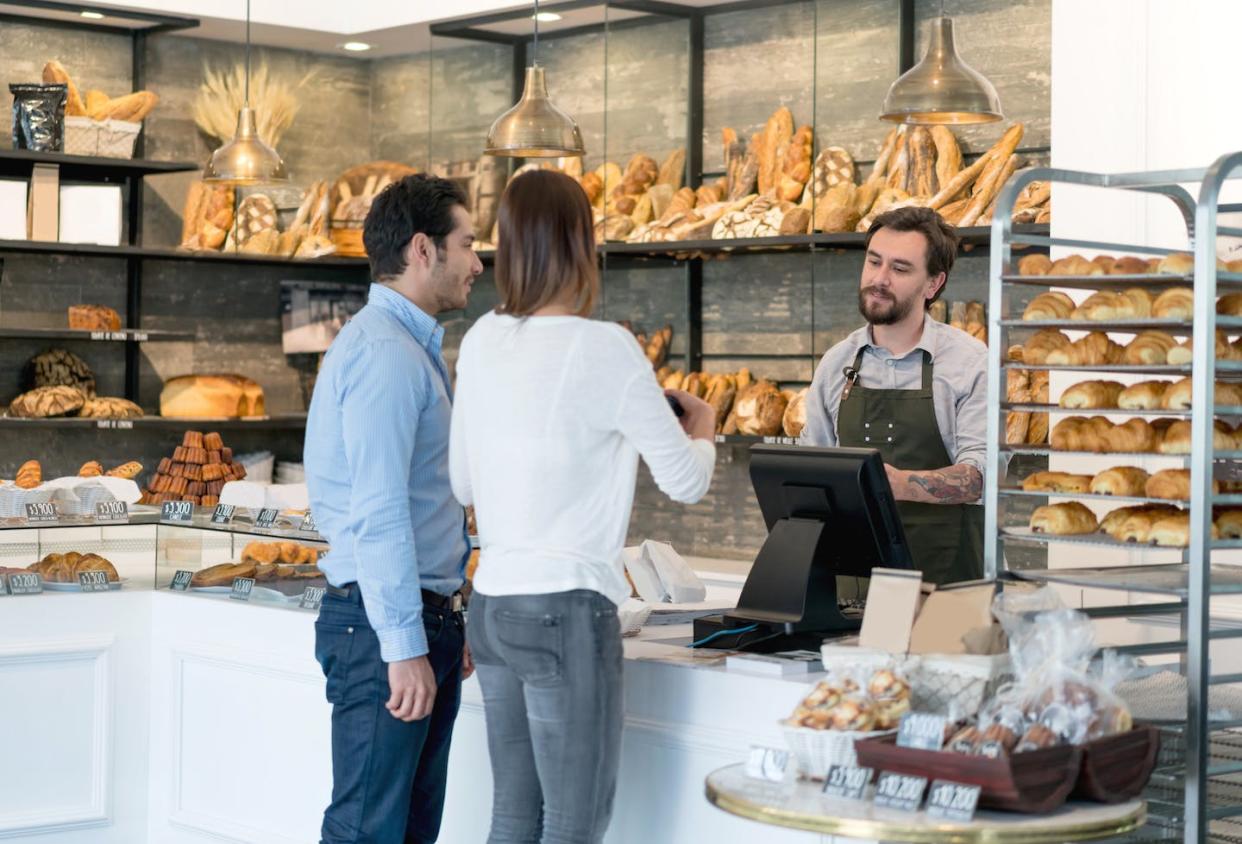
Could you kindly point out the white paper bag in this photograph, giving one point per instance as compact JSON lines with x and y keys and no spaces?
{"x":680,"y":582}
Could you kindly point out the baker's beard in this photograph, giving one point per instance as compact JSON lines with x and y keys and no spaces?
{"x":888,"y":311}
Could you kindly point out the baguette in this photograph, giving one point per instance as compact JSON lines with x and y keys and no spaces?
{"x":131,"y":108}
{"x":948,"y":155}
{"x":54,"y":73}
{"x":986,"y":188}
{"x":97,"y":104}
{"x":922,"y":155}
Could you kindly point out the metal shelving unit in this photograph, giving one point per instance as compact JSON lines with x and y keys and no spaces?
{"x":1195,"y":581}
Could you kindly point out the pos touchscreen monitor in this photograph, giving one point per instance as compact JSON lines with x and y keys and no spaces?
{"x":829,"y":512}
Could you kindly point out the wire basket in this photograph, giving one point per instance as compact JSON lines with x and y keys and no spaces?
{"x":107,"y":138}
{"x":956,"y":684}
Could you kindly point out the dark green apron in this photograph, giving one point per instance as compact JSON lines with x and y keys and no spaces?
{"x":946,"y":540}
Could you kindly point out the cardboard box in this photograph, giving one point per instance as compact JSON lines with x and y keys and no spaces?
{"x":91,"y":214}
{"x":12,"y":209}
{"x":892,"y":602}
{"x":43,"y":211}
{"x":954,"y":615}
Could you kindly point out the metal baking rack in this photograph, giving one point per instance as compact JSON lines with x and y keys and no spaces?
{"x":1188,"y":586}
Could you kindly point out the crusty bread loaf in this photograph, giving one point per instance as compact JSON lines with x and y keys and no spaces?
{"x":1064,"y":519}
{"x":1092,"y":394}
{"x":192,"y":396}
{"x":93,"y":318}
{"x":54,"y":73}
{"x":1120,"y":480}
{"x":1056,"y":482}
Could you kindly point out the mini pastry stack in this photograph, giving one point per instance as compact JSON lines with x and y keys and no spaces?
{"x":197,"y":472}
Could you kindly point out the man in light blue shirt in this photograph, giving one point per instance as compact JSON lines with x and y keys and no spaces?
{"x":390,"y":635}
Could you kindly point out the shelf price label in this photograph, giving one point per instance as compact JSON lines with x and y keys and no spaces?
{"x":847,"y":781}
{"x":110,"y":335}
{"x":112,"y":512}
{"x":266,"y":518}
{"x":922,"y":731}
{"x":181,"y":580}
{"x":312,"y":597}
{"x":767,"y":763}
{"x":27,"y":583}
{"x":952,"y":801}
{"x":241,"y":588}
{"x":93,"y":581}
{"x":177,"y":511}
{"x":44,"y":511}
{"x":223,"y":514}
{"x":115,"y":424}
{"x":900,"y":791}
{"x":308,"y":523}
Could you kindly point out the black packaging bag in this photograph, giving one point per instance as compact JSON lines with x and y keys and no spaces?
{"x":39,"y":116}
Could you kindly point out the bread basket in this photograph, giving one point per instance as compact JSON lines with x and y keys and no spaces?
{"x":107,"y":138}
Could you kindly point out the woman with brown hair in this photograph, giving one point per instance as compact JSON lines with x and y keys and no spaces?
{"x":552,"y":411}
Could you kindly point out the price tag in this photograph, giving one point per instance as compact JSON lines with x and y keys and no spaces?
{"x":177,"y":511}
{"x":922,"y":731}
{"x":266,"y":518}
{"x":780,"y":441}
{"x":25,"y":584}
{"x":312,"y":597}
{"x":223,"y":514}
{"x":181,"y":580}
{"x":720,"y":438}
{"x":308,"y":523}
{"x":241,"y":588}
{"x":900,"y":791}
{"x":93,"y":581}
{"x":112,"y":512}
{"x":952,"y":801}
{"x":140,"y":336}
{"x":115,"y":424}
{"x":847,"y":781}
{"x":767,"y":763}
{"x":991,"y":750}
{"x":42,"y":512}
{"x":108,"y":335}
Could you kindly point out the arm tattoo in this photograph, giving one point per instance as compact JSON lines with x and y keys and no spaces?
{"x":959,"y":484}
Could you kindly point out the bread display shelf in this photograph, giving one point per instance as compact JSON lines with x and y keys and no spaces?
{"x":1224,"y":281}
{"x":18,"y":162}
{"x":1220,"y":410}
{"x":1016,"y":491}
{"x":1119,"y":368}
{"x":125,"y":334}
{"x":1161,"y":579}
{"x":1127,"y":326}
{"x":746,"y":439}
{"x":93,"y":251}
{"x":1025,"y":534}
{"x":1045,"y":451}
{"x":290,"y":421}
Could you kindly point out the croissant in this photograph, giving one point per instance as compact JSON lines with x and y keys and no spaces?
{"x":1145,"y":395}
{"x":1094,"y":349}
{"x":1056,"y":482}
{"x":1229,"y":305}
{"x":1229,"y":523}
{"x":1177,"y":396}
{"x":1176,"y":439}
{"x":1067,"y":518}
{"x":1037,"y":264}
{"x":1092,"y":394}
{"x":1115,"y":521}
{"x":1074,"y":265}
{"x":1128,"y":265}
{"x":1105,"y":305}
{"x":1174,"y":531}
{"x":29,"y":474}
{"x":1052,"y":304}
{"x":1078,"y":433}
{"x":1150,"y":347}
{"x":1129,"y":481}
{"x":1174,"y":303}
{"x":1043,"y":342}
{"x":1104,"y":261}
{"x":1132,"y":436}
{"x":1183,"y":353}
{"x":1176,"y":263}
{"x":1173,"y":484}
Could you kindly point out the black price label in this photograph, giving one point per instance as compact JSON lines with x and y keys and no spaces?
{"x":767,"y":763}
{"x":266,"y":518}
{"x":241,"y":588}
{"x":847,"y":781}
{"x":312,"y":597}
{"x":922,"y":731}
{"x":93,"y":581}
{"x":27,"y":583}
{"x":112,"y":512}
{"x":952,"y":801}
{"x":308,"y":523}
{"x":44,"y":511}
{"x":181,"y":580}
{"x":223,"y":514}
{"x":177,"y":511}
{"x":900,"y":791}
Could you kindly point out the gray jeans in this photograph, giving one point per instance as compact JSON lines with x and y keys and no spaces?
{"x":550,"y":669}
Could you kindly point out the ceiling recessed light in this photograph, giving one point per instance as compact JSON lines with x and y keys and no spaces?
{"x":356,"y":46}
{"x":95,"y":16}
{"x":546,"y":17}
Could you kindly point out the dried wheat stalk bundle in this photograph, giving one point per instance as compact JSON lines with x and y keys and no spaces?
{"x":223,"y":93}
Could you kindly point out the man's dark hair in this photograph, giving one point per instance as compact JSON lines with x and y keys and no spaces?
{"x":417,"y":203}
{"x":941,"y":238}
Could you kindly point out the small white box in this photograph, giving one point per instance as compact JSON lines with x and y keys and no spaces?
{"x":12,"y":209}
{"x":90,"y":214}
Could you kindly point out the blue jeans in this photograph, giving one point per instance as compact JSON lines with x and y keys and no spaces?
{"x":388,"y":776}
{"x":550,"y":669}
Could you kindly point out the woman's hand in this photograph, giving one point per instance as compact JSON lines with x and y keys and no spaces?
{"x":699,"y":419}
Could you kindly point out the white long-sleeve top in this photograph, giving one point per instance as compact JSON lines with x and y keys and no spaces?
{"x":549,"y":419}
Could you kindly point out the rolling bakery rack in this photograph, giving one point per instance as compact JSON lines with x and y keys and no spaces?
{"x":1206,"y":782}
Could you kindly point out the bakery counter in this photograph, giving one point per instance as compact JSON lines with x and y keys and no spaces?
{"x":159,"y":716}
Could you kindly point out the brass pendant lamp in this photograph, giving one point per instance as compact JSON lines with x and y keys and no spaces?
{"x":942,"y":88}
{"x":535,"y":127}
{"x":245,"y":160}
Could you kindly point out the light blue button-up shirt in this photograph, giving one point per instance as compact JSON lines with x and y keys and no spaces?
{"x":377,"y":468}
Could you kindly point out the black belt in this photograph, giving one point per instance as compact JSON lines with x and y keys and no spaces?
{"x":451,"y":603}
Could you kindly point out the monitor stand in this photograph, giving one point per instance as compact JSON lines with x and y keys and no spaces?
{"x":793,"y":601}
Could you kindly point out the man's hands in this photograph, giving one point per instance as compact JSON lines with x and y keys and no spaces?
{"x":413,"y":686}
{"x":467,"y":662}
{"x":958,"y":484}
{"x":699,"y":420}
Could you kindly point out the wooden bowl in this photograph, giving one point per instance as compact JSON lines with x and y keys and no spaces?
{"x":1117,"y":768}
{"x":1034,"y":782}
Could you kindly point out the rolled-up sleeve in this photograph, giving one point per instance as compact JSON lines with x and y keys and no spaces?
{"x":379,"y":417}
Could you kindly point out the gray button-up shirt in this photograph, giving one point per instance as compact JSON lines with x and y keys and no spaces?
{"x":959,"y":386}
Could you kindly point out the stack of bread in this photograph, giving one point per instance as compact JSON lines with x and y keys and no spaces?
{"x":59,"y":383}
{"x":743,"y":405}
{"x":196,"y":472}
{"x":265,"y":562}
{"x":210,"y":223}
{"x":1146,"y":524}
{"x":654,"y":348}
{"x":844,"y":703}
{"x":627,"y":202}
{"x":130,"y":108}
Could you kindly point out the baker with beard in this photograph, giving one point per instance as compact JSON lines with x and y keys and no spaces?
{"x":914,"y":389}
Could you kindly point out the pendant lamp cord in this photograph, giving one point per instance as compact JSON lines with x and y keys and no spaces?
{"x":247,"y":53}
{"x":534,"y":50}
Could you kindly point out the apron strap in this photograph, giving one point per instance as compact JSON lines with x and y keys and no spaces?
{"x":927,"y":370}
